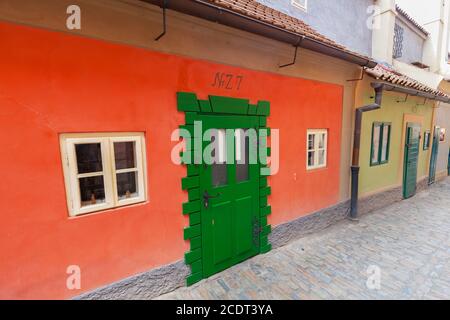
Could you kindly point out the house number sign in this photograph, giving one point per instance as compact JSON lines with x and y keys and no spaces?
{"x":227,"y":81}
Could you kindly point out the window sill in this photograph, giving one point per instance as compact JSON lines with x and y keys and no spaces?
{"x":109,"y":210}
{"x":312,"y":170}
{"x":379,"y":164}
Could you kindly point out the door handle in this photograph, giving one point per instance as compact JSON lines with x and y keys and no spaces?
{"x":206,"y":198}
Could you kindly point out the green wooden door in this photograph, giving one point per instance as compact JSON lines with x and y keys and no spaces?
{"x":229,"y":192}
{"x":434,"y":156}
{"x":411,"y":159}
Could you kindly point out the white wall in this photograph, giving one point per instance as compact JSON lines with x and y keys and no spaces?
{"x":433,"y":15}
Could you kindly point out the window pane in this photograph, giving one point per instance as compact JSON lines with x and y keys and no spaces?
{"x":124,"y":155}
{"x":242,"y":155}
{"x":92,"y":190}
{"x":322,"y":140}
{"x":311,"y":155}
{"x":127,"y":185}
{"x":219,"y":174}
{"x":321,"y":158}
{"x":219,"y":142}
{"x":375,"y":143}
{"x":89,"y":157}
{"x":426,"y":140}
{"x":219,"y":166}
{"x":384,"y":147}
{"x":311,"y":139}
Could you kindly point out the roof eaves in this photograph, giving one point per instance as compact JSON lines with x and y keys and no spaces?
{"x":252,"y":16}
{"x":389,"y":75}
{"x":405,"y":15}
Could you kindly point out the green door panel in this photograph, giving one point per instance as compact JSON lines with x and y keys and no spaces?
{"x":434,"y":156}
{"x":222,"y":228}
{"x":412,"y":146}
{"x":244,"y":213}
{"x":229,"y":201}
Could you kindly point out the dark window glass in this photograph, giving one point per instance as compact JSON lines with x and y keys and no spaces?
{"x":426,"y":140}
{"x":376,"y":143}
{"x":126,"y":185}
{"x":385,"y":143}
{"x":92,"y":190}
{"x":219,"y":167}
{"x":89,"y":157}
{"x":219,"y":174}
{"x":311,"y":141}
{"x":124,"y":155}
{"x":242,"y":163}
{"x":311,"y":158}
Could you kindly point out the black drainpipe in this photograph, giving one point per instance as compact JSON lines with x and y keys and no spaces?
{"x":378,"y":87}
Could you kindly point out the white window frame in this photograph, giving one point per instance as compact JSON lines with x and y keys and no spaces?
{"x":106,"y":140}
{"x":316,"y":148}
{"x":298,"y":5}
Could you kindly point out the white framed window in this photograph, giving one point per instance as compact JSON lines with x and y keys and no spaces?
{"x":301,"y":4}
{"x":103,"y":171}
{"x":316,"y":148}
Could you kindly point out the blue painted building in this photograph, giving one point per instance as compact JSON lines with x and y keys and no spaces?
{"x":344,"y":21}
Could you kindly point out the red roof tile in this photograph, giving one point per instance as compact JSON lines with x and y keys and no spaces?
{"x":268,"y":15}
{"x":387,"y":74}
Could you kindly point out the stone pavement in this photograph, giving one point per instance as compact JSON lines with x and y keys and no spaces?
{"x":409,"y":242}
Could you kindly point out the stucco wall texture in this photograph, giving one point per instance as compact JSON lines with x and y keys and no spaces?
{"x":443,"y":121}
{"x":381,"y":177}
{"x":412,"y":44}
{"x":340,"y":20}
{"x":54,"y":83}
{"x":141,"y":24}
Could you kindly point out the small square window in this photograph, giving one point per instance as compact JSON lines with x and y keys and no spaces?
{"x":103,"y":171}
{"x":379,"y":153}
{"x":301,"y":4}
{"x":316,"y":148}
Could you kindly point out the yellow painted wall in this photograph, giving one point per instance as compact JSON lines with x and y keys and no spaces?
{"x":374,"y":179}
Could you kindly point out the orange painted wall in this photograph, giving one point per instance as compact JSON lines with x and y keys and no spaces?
{"x":51,"y":83}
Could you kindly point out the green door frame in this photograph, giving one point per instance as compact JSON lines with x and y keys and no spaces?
{"x":434,"y":156}
{"x":411,"y":158}
{"x":218,"y":106}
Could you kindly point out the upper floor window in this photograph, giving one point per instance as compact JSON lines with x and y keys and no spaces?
{"x":316,"y":151}
{"x":103,"y":171}
{"x":398,"y":41}
{"x":381,"y":133}
{"x":302,"y":4}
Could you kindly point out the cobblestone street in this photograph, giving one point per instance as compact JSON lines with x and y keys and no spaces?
{"x":409,"y":242}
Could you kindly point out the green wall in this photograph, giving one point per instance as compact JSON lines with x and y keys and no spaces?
{"x":374,"y":178}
